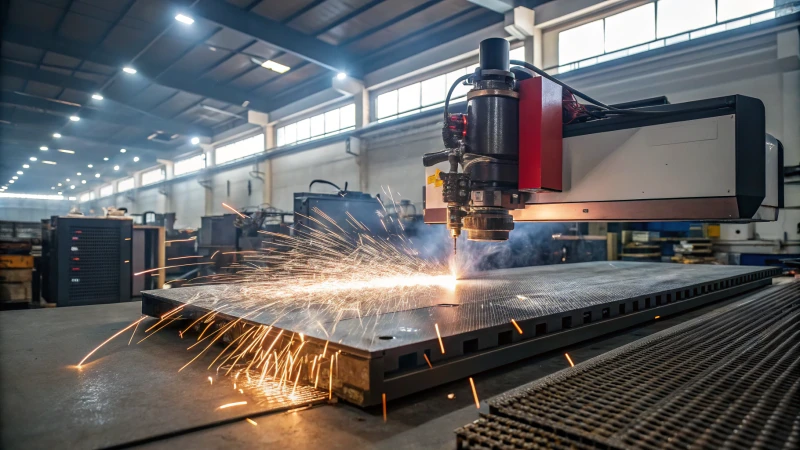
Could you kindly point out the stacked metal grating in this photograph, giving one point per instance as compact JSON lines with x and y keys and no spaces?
{"x":728,"y":379}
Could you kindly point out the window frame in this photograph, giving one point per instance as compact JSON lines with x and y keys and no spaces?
{"x":148,"y":171}
{"x":120,"y":181}
{"x":175,"y":164}
{"x":293,"y":120}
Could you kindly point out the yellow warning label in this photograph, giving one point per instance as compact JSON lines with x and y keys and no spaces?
{"x":434,"y":179}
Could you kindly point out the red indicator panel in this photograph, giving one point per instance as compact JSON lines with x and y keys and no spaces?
{"x":540,"y":136}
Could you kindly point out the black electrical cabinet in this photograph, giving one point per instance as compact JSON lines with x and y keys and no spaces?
{"x":90,"y":260}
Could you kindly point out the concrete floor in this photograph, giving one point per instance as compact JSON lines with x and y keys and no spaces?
{"x":134,"y":394}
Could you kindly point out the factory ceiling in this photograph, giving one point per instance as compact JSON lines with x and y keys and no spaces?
{"x":147,"y":76}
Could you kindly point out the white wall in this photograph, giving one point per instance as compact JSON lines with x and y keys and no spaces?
{"x":28,"y":210}
{"x":239,"y":198}
{"x":292,"y":173}
{"x":188,"y":203}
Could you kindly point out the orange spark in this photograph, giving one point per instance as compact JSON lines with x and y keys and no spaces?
{"x":514,"y":322}
{"x":475,"y":393}
{"x":330,"y":381}
{"x":441,"y":344}
{"x":425,"y":355}
{"x":183,"y":257}
{"x":109,"y":339}
{"x":251,"y":422}
{"x":384,"y":407}
{"x":228,"y":405}
{"x":210,"y":380}
{"x":134,"y":333}
{"x":170,"y":267}
{"x":571,"y":364}
{"x":234,"y":210}
{"x":215,"y":254}
{"x":658,"y":317}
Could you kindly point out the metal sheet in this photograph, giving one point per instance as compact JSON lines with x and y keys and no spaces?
{"x":587,"y":299}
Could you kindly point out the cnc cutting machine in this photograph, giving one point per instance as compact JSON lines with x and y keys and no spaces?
{"x":529,"y":151}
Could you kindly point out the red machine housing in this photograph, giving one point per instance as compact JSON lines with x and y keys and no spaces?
{"x":540,"y":135}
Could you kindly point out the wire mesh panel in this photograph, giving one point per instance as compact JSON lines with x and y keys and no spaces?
{"x":729,"y":379}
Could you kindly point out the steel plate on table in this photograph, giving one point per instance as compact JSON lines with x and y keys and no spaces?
{"x":474,"y":319}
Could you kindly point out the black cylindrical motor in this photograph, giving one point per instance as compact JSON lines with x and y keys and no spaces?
{"x":492,"y":117}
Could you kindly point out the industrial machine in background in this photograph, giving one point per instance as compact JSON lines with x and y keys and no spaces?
{"x":20,"y":250}
{"x":148,"y":252}
{"x":316,"y":211}
{"x":89,"y":260}
{"x":529,"y":151}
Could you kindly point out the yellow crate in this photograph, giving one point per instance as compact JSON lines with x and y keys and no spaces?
{"x":16,"y":262}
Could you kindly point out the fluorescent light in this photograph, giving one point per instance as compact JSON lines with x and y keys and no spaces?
{"x":97,"y":96}
{"x":19,"y":172}
{"x":74,"y":118}
{"x":79,"y":174}
{"x":105,"y":159}
{"x":184,"y":19}
{"x":33,"y":158}
{"x":52,"y":163}
{"x":195,"y":140}
{"x":83,"y":181}
{"x":52,"y":188}
{"x":25,"y":166}
{"x":129,"y":70}
{"x":59,"y":184}
{"x":122,"y":150}
{"x":116,"y":167}
{"x":33,"y":196}
{"x":56,"y":135}
{"x":59,"y":193}
{"x":15,"y":177}
{"x":63,"y":150}
{"x":90,"y":166}
{"x":135,"y":159}
{"x":97,"y":175}
{"x":274,"y":66}
{"x":341,"y":76}
{"x":43,"y":148}
{"x":67,"y":180}
{"x":72,"y":186}
{"x":11,"y":181}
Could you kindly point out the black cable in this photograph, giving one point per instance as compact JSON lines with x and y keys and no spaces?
{"x":450,"y":93}
{"x":313,"y":182}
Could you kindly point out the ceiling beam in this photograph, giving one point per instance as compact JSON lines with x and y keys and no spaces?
{"x":176,"y":80}
{"x":20,"y":134}
{"x":498,"y":6}
{"x":278,"y":35}
{"x":99,"y":111}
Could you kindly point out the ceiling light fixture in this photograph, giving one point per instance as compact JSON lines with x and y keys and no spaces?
{"x":195,"y":140}
{"x":52,"y":163}
{"x":90,"y":166}
{"x":129,"y":70}
{"x":72,"y":186}
{"x":79,"y":174}
{"x":25,"y":166}
{"x":59,"y":184}
{"x":83,"y":181}
{"x":135,"y":159}
{"x":67,"y":180}
{"x":116,"y":167}
{"x":53,"y":188}
{"x":19,"y":172}
{"x":341,"y":76}
{"x":122,"y":150}
{"x":97,"y":96}
{"x":105,"y":159}
{"x":11,"y":181}
{"x":43,"y":148}
{"x":275,"y":66}
{"x":56,"y":135}
{"x":97,"y":175}
{"x":184,"y":19}
{"x":74,"y":118}
{"x":59,"y":193}
{"x":33,"y":158}
{"x":15,"y":177}
{"x":63,"y":150}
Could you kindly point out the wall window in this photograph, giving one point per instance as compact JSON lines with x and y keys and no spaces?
{"x":188,"y":165}
{"x":240,"y":149}
{"x":655,"y":25}
{"x":106,"y":190}
{"x":87,"y":197}
{"x":153,"y":176}
{"x":321,"y":125}
{"x":125,"y":184}
{"x":427,"y":94}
